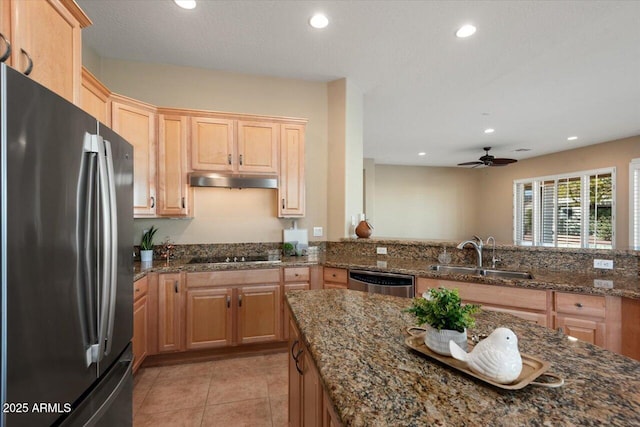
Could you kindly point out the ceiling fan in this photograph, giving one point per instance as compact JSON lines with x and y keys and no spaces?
{"x":488,"y":160}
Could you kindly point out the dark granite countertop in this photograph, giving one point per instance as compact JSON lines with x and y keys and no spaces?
{"x":357,"y":342}
{"x":567,"y":281}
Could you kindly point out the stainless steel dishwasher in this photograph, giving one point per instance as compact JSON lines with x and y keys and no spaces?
{"x":401,"y":285}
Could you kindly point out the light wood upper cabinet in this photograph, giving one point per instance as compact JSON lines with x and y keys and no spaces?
{"x":258,"y":147}
{"x":94,"y":98}
{"x":174,"y":194}
{"x":136,"y":122}
{"x":212,"y":144}
{"x":291,"y":188}
{"x":45,"y":36}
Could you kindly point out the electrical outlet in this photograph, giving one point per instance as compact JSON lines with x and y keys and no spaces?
{"x":606,"y":264}
{"x":317,"y":231}
{"x":381,"y":251}
{"x":606,"y":284}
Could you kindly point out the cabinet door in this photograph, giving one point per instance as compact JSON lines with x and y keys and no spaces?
{"x":295,"y":377}
{"x":584,"y":329}
{"x":46,"y":34}
{"x":169,"y":312}
{"x":258,"y":147}
{"x":311,"y":391}
{"x":259,"y":314}
{"x":94,"y":98}
{"x":137,"y":125}
{"x":212,"y":144}
{"x":173,"y":189}
{"x":140,"y":327}
{"x":291,"y":187}
{"x":291,"y":287}
{"x":209,"y":318}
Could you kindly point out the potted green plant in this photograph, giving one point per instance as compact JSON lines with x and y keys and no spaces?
{"x":146,"y":245}
{"x":445,"y":317}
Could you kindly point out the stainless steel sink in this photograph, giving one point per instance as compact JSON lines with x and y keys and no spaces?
{"x":453,"y":269}
{"x":504,"y":274}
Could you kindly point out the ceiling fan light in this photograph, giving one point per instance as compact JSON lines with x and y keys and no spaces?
{"x":186,"y":4}
{"x":572,"y":138}
{"x":465,"y":31}
{"x":319,"y":21}
{"x":489,"y":130}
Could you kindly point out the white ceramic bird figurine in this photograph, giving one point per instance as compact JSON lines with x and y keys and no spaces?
{"x":496,"y":357}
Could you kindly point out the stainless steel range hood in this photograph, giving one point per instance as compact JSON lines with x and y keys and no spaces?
{"x":232,"y":181}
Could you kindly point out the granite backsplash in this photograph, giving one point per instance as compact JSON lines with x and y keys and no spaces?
{"x":511,"y":257}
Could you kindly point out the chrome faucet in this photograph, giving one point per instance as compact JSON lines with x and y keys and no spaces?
{"x":477,"y":245}
{"x":493,"y":251}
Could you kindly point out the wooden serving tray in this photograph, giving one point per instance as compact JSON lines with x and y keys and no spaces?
{"x":532,"y":367}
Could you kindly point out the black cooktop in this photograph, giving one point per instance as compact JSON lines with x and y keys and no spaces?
{"x":230,"y":259}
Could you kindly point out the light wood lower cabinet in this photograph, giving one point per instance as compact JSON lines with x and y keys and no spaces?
{"x":140,"y":322}
{"x":295,"y":279}
{"x":335,"y":278}
{"x":309,"y":405}
{"x":233,"y":307}
{"x":585,"y":317}
{"x":170,"y":312}
{"x":209,"y":318}
{"x":528,"y":304}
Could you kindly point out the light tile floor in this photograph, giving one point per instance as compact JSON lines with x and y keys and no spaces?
{"x":245,"y":391}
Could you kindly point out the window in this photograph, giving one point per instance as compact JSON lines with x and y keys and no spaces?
{"x":568,"y":211}
{"x":634,"y":204}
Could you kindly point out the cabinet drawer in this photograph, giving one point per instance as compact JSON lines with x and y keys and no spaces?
{"x":336,"y":275}
{"x":296,"y":274}
{"x":140,"y":287}
{"x":235,"y":277}
{"x":583,"y":305}
{"x":529,"y":299}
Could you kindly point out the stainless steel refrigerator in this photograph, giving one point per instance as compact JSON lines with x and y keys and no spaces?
{"x":66,"y":262}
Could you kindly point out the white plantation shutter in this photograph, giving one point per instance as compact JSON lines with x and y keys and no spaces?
{"x":571,"y":211}
{"x":634,"y":204}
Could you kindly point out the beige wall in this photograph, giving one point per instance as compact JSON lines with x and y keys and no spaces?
{"x":496,"y":208}
{"x":223,"y":215}
{"x":344,"y":175}
{"x":455,"y":203}
{"x":425,"y":202}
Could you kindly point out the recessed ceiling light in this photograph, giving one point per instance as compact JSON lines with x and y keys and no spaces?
{"x":572,"y":138}
{"x":186,"y":4}
{"x":466,"y":31}
{"x":489,"y":130}
{"x":422,"y":153}
{"x":319,"y":21}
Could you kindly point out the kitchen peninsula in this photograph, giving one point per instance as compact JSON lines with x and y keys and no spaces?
{"x":370,"y":378}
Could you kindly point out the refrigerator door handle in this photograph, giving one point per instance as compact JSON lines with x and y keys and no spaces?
{"x":113,"y":237}
{"x":98,"y":349}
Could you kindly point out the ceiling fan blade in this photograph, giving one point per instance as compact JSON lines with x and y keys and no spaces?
{"x":470,"y":163}
{"x":502,"y":162}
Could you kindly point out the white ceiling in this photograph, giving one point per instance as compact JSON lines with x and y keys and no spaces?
{"x":536,"y":71}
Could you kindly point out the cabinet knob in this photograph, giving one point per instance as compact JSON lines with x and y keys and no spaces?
{"x":183,"y":204}
{"x":29,"y":68}
{"x":7,"y":51}
{"x":579,"y":305}
{"x":228,"y":301}
{"x":283,"y":203}
{"x":153,"y":202}
{"x":229,"y":158}
{"x":239,"y":300}
{"x":240,"y":159}
{"x":175,"y":286}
